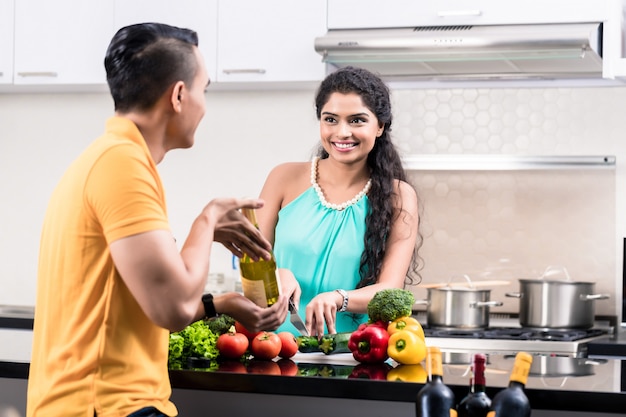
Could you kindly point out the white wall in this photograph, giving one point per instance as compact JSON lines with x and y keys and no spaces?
{"x":243,"y":135}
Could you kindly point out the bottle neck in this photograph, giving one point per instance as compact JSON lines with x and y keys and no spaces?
{"x":435,"y":367}
{"x":516,"y":384}
{"x":477,"y":381}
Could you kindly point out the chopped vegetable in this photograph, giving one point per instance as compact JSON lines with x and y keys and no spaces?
{"x":390,"y":304}
{"x":335,"y":343}
{"x":307,"y":344}
{"x":368,"y":343}
{"x":220,"y":324}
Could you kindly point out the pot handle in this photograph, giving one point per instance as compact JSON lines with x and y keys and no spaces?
{"x":514,"y":294}
{"x":477,"y":304}
{"x":555,"y":269}
{"x":593,"y":297}
{"x":422,"y":302}
{"x":465,"y":276}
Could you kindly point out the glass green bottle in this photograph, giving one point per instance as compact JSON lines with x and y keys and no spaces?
{"x":476,"y":403}
{"x":512,"y":401}
{"x":435,"y":399}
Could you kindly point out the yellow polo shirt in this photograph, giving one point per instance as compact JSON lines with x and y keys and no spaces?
{"x":94,"y":349}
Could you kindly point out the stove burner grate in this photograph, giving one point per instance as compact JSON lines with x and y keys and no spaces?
{"x":516,"y":333}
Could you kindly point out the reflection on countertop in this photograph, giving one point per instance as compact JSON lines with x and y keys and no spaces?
{"x":556,"y":382}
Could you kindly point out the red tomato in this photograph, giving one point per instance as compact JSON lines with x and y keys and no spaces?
{"x":289,"y":345}
{"x":287,"y":367}
{"x":265,"y":345}
{"x":239,"y":328}
{"x":232,"y":345}
{"x":256,"y":366}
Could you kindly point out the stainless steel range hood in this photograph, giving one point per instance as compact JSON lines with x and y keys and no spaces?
{"x":539,"y":51}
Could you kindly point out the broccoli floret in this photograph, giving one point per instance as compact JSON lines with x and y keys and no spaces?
{"x":390,"y":304}
{"x":220,"y":324}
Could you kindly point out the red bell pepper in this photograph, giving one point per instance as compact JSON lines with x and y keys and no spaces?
{"x":369,"y":343}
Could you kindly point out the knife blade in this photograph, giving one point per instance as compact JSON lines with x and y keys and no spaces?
{"x":296,"y":320}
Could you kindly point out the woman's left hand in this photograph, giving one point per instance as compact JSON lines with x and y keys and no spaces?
{"x":322,"y":310}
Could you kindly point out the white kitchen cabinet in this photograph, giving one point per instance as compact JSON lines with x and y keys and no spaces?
{"x":269,"y":40}
{"x":6,"y":41}
{"x":199,"y":15}
{"x":356,"y":14}
{"x":62,"y":41}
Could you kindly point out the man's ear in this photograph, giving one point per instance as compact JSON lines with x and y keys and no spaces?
{"x":177,"y":96}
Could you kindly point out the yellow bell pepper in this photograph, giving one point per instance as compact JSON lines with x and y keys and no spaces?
{"x":406,"y":347}
{"x":406,"y":323}
{"x":408,"y":373}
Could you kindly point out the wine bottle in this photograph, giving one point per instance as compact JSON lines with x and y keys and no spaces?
{"x":259,"y":280}
{"x":476,"y":403}
{"x":435,"y":399}
{"x":512,"y":401}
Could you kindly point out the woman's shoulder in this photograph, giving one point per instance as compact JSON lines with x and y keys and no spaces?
{"x":288,"y":171}
{"x":406,"y":191}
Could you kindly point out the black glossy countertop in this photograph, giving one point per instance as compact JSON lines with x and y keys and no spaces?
{"x":570,"y":384}
{"x":577,"y":386}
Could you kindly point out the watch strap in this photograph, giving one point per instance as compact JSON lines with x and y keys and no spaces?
{"x":344,"y":305}
{"x":209,"y":307}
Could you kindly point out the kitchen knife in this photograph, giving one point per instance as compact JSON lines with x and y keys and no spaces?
{"x":296,"y":320}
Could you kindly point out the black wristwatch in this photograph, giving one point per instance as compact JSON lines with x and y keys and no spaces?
{"x":209,"y":307}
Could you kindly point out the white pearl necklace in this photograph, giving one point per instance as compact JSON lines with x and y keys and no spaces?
{"x":320,"y":194}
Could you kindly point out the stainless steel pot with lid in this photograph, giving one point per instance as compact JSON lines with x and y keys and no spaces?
{"x":556,"y":303}
{"x":458,"y":307}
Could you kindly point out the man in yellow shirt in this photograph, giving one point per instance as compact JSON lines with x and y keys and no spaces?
{"x":112,"y":283}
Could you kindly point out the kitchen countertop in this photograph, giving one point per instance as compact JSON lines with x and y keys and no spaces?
{"x":599,"y":389}
{"x":600,"y":386}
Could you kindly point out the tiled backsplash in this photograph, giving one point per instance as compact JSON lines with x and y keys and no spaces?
{"x":512,"y":224}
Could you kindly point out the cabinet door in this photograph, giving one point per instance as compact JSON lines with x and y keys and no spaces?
{"x":62,"y":41}
{"x":269,"y":40}
{"x":198,"y":15}
{"x":357,"y":14}
{"x":6,"y":41}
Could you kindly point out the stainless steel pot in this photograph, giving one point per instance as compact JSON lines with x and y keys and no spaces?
{"x":459,"y":308}
{"x":556,"y":304}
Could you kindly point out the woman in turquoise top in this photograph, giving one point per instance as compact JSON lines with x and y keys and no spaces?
{"x":346,"y":223}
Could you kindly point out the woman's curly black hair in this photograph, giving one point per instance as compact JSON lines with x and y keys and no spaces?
{"x":384,"y":164}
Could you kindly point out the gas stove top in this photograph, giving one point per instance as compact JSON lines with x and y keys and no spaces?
{"x":513,"y":339}
{"x":506,"y":336}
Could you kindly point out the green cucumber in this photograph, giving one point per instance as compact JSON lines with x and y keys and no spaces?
{"x":335,"y":343}
{"x":308,"y":344}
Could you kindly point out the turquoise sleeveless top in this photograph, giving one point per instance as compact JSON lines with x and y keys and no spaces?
{"x":322,"y":247}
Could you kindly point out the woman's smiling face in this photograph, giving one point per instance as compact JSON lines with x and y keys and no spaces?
{"x":348,"y":129}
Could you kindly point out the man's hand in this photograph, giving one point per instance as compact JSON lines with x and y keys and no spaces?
{"x":235,"y":232}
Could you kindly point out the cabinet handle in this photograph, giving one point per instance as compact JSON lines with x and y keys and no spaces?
{"x":455,"y":13}
{"x":244,"y":71}
{"x":38,"y":74}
